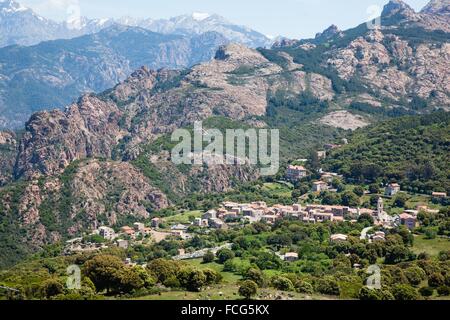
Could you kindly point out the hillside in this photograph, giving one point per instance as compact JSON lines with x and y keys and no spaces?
{"x":412,"y":151}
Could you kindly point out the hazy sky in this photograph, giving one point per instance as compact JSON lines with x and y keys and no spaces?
{"x":291,"y":18}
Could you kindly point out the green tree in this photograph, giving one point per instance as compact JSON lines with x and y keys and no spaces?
{"x":426,"y":291}
{"x":51,"y":288}
{"x":105,"y":272}
{"x":436,"y":279}
{"x":328,"y":285}
{"x":404,"y":292}
{"x":282,"y":283}
{"x":304,"y":287}
{"x":400,"y":200}
{"x":415,"y":275}
{"x":374,"y":188}
{"x":130,"y":279}
{"x":359,"y":191}
{"x":192,"y":279}
{"x":163,"y":269}
{"x":212,"y":276}
{"x":208,"y":257}
{"x":255,"y":275}
{"x":248,"y":289}
{"x":350,"y":199}
{"x":224,"y":255}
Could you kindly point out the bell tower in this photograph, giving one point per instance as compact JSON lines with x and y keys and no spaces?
{"x":380,"y":208}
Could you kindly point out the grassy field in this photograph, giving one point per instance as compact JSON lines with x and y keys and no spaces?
{"x":228,"y":288}
{"x":183,"y":218}
{"x":432,"y":247}
{"x":281,"y":190}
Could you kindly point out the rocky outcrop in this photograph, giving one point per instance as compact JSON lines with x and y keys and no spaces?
{"x":344,"y":120}
{"x":95,"y":193}
{"x":329,"y":32}
{"x":89,"y":128}
{"x":8,"y":151}
{"x":440,"y":7}
{"x":149,"y":103}
{"x":391,"y":66}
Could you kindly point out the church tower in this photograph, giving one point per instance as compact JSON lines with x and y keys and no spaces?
{"x":380,"y":209}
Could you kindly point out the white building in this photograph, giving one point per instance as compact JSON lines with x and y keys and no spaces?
{"x":107,"y":233}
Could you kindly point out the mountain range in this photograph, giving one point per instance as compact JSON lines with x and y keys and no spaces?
{"x":20,"y":25}
{"x":53,"y":74}
{"x":106,"y":157}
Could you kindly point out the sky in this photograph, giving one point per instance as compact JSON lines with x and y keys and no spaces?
{"x":289,"y":18}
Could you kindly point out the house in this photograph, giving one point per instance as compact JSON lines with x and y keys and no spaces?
{"x":179,"y":227}
{"x":331,"y":146}
{"x":217,"y":224}
{"x":291,"y":257}
{"x":128,"y":231}
{"x":322,"y":216}
{"x":156,"y":222}
{"x":107,"y":233}
{"x":139,"y":227}
{"x":320,"y":186}
{"x":392,"y":189}
{"x":327,"y":177}
{"x":408,"y":220}
{"x":177,"y":233}
{"x":295,"y":173}
{"x":269,"y":218}
{"x":211,"y":214}
{"x":439,"y":195}
{"x":123,"y":244}
{"x":321,"y":155}
{"x":338,"y":238}
{"x":199,"y":222}
{"x":379,"y":236}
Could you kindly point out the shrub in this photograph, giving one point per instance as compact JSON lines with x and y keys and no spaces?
{"x":426,"y":291}
{"x":208,"y":257}
{"x":51,"y":288}
{"x":282,"y":283}
{"x":224,"y":255}
{"x":436,"y":280}
{"x":328,"y":285}
{"x":304,"y":287}
{"x":404,"y":292}
{"x":248,"y":289}
{"x":443,"y":291}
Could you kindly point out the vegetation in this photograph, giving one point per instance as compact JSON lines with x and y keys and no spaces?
{"x":411,"y":150}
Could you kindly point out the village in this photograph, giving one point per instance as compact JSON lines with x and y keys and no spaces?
{"x":231,"y":214}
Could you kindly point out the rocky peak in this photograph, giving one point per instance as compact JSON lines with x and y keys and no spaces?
{"x":239,"y":54}
{"x":9,"y":6}
{"x":397,"y":8}
{"x":329,"y":32}
{"x":441,"y":7}
{"x":284,"y":42}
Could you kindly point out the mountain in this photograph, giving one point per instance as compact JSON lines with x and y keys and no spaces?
{"x":20,"y":25}
{"x":437,"y":7}
{"x":198,"y":23}
{"x":52,"y":74}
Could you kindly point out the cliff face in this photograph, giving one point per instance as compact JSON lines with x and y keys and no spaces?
{"x":8,"y":151}
{"x":395,"y":68}
{"x":236,"y":85}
